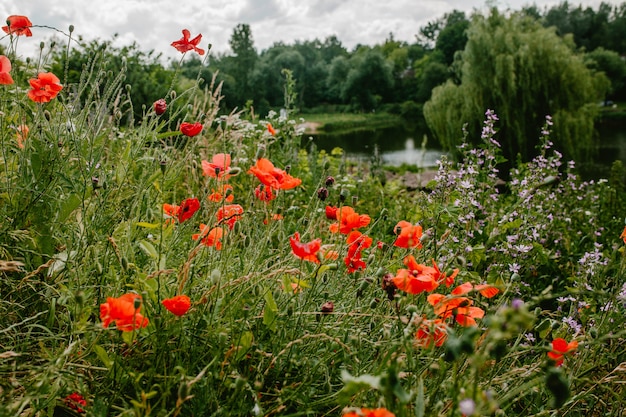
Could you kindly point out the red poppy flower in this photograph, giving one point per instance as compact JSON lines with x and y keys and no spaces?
{"x":560,"y":347}
{"x":348,"y":220}
{"x":225,"y":194}
{"x":218,"y":167}
{"x":623,"y":235}
{"x":160,"y":106}
{"x":417,"y":278}
{"x":271,"y":129}
{"x":124,"y":312}
{"x":431,"y":332}
{"x":229,"y":214}
{"x":5,"y":68}
{"x":273,"y":177}
{"x":190,"y":129}
{"x":18,"y":25}
{"x":331,"y":212}
{"x":356,"y":242}
{"x":44,"y":88}
{"x":183,"y":212}
{"x":264,"y":193}
{"x":366,"y":412}
{"x":305,"y":251}
{"x":178,"y":305}
{"x":185,"y":44}
{"x":210,"y":237}
{"x":75,"y":401}
{"x":409,"y":235}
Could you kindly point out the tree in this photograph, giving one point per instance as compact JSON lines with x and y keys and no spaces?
{"x":369,"y":80}
{"x":613,"y":66}
{"x":242,"y":44}
{"x":523,"y":72}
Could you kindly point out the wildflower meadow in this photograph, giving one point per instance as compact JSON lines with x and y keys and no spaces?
{"x":201,"y":263}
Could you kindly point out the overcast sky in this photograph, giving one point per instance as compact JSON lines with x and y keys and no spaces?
{"x":154,"y":24}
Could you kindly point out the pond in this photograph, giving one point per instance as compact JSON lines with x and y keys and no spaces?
{"x":397,"y":146}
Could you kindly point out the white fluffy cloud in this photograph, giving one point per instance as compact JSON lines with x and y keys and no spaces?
{"x":154,"y":24}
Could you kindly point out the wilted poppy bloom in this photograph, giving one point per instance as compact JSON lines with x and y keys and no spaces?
{"x":218,"y":167}
{"x":348,"y":220}
{"x":409,"y":235}
{"x":305,"y":251}
{"x":124,"y":311}
{"x":21,"y":134}
{"x":560,"y":347}
{"x":264,"y":193}
{"x":18,"y":25}
{"x":431,"y":332}
{"x":178,"y":305}
{"x":160,"y":106}
{"x":225,"y":194}
{"x":190,"y":129}
{"x":44,"y":88}
{"x":210,"y":237}
{"x":5,"y":69}
{"x":271,"y":129}
{"x":185,"y":44}
{"x":75,"y":401}
{"x":229,"y":214}
{"x":273,"y":177}
{"x":366,"y":412}
{"x":356,"y":243}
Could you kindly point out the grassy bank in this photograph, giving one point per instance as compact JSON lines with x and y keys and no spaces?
{"x":337,"y":122}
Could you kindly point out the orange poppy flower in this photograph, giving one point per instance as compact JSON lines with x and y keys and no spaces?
{"x":44,"y":88}
{"x":623,"y":235}
{"x":356,"y":243}
{"x":178,"y":305}
{"x":409,"y":236}
{"x":331,"y":212}
{"x":459,"y":307}
{"x":348,"y":219}
{"x":212,"y":237}
{"x":218,"y":167}
{"x":264,"y":193}
{"x":124,"y":312}
{"x":275,"y":217}
{"x":271,"y":129}
{"x":18,"y":25}
{"x":273,"y":177}
{"x":560,"y":347}
{"x":226,"y":194}
{"x":21,"y":134}
{"x":366,"y":412}
{"x":185,"y":44}
{"x":431,"y":332}
{"x":305,"y":251}
{"x":417,"y":278}
{"x":5,"y":69}
{"x":190,"y":129}
{"x":229,"y":214}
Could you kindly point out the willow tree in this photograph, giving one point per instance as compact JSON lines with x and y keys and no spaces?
{"x":523,"y":72}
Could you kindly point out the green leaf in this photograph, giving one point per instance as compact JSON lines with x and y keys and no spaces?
{"x":147,"y":225}
{"x":420,"y":403}
{"x":245,"y":343}
{"x":68,"y":205}
{"x":103,"y":356}
{"x":270,"y":312}
{"x":149,"y":249}
{"x":353,"y":385}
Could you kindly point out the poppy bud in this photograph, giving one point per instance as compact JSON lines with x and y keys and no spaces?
{"x":47,"y":115}
{"x":71,"y":28}
{"x":355,"y":199}
{"x":260,"y":152}
{"x":137,"y":303}
{"x":327,"y":307}
{"x":160,"y":106}
{"x":163,"y":166}
{"x":287,"y":169}
{"x":343,"y":195}
{"x":322,"y":193}
{"x":41,"y":45}
{"x":330,"y":181}
{"x":232,"y":171}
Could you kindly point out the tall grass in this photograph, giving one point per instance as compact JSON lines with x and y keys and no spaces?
{"x":269,"y":333}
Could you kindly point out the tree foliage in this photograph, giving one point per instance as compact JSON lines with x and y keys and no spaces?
{"x":524,"y":72}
